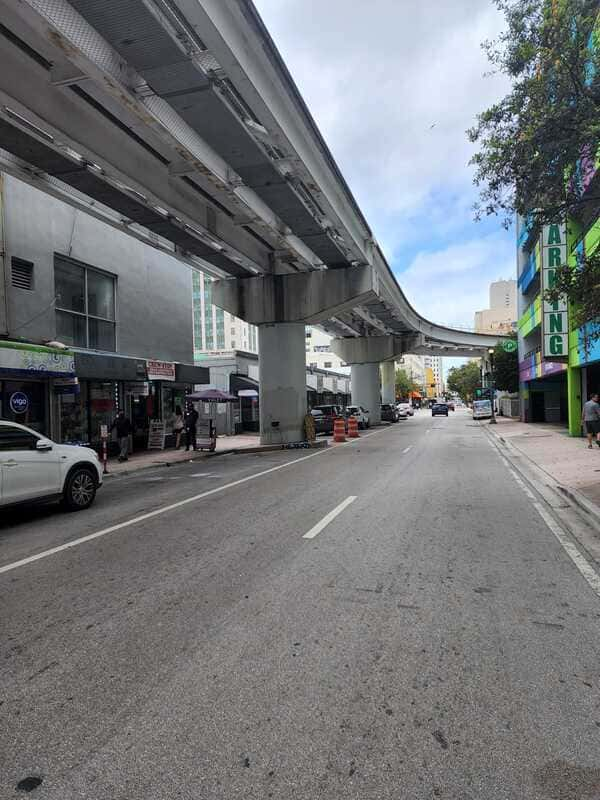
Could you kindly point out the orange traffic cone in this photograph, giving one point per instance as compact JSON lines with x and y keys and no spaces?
{"x":353,"y":428}
{"x":339,"y":430}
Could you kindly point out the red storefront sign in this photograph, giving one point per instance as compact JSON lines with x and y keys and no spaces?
{"x":160,"y":370}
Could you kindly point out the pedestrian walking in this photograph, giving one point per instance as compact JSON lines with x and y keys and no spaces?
{"x":123,"y":427}
{"x":590,"y":419}
{"x":178,"y":426}
{"x":191,"y":420}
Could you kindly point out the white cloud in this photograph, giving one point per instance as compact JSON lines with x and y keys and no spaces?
{"x":449,"y":285}
{"x":376,"y":77}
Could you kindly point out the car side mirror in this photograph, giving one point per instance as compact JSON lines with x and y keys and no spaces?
{"x":43,"y":445}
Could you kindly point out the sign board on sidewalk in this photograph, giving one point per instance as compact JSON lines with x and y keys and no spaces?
{"x":160,"y":370}
{"x":205,"y":436}
{"x":555,"y":317}
{"x":104,"y":431}
{"x":156,"y":435}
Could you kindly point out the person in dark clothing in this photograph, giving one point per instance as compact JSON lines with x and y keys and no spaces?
{"x":191,"y":420}
{"x":123,"y":427}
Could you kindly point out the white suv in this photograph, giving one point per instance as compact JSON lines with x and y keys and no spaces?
{"x":361,"y":414}
{"x":35,"y":469}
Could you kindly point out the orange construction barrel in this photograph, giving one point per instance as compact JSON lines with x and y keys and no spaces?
{"x":352,"y":428}
{"x":339,"y":430}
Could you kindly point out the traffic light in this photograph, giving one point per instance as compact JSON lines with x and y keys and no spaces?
{"x":483,"y":393}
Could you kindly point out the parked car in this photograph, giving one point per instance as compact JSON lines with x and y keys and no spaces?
{"x":323,"y":424}
{"x":388,"y":413}
{"x":406,"y":408}
{"x":439,"y":410}
{"x":450,"y":404}
{"x":34,"y":469}
{"x":330,"y":412}
{"x":361,"y":414}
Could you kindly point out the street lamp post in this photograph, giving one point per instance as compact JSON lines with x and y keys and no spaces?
{"x":493,"y":420}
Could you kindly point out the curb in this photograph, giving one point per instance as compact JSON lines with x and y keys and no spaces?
{"x":267,"y":448}
{"x":581,"y":501}
{"x":572,"y":496}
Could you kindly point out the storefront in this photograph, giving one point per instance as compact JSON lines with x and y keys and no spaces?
{"x":144,"y":390}
{"x":28,"y":374}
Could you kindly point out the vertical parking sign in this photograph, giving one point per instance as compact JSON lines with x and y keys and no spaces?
{"x":555,"y":316}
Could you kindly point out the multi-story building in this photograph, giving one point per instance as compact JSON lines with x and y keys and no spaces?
{"x":433,"y":375}
{"x":501,"y":316}
{"x":559,"y":367}
{"x":414,"y":366}
{"x":92,"y":320}
{"x":215,"y":331}
{"x":319,"y":354}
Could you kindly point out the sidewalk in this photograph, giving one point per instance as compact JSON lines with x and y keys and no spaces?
{"x":155,"y":458}
{"x":565,"y":459}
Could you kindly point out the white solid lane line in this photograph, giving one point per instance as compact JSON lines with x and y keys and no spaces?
{"x":165,"y":509}
{"x":406,"y":449}
{"x":316,"y":530}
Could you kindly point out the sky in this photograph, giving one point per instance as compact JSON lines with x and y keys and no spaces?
{"x":393,"y":85}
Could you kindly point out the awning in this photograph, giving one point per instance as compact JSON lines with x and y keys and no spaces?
{"x":35,"y":361}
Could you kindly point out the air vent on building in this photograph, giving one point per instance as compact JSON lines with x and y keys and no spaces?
{"x":22,"y":274}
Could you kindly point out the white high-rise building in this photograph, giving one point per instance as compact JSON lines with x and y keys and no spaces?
{"x":434,"y":363}
{"x":501,"y":316}
{"x":216,"y":331}
{"x":319,"y":353}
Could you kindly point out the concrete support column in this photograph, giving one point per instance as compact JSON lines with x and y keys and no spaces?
{"x":365,"y":389}
{"x":388,"y":382}
{"x":282,"y":382}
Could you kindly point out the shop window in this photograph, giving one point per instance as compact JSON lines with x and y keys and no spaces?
{"x":21,"y":274}
{"x":85,"y":305}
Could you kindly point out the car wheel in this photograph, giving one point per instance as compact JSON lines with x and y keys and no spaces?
{"x":80,"y":489}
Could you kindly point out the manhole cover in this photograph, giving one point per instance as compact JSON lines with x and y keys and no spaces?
{"x":29,"y":783}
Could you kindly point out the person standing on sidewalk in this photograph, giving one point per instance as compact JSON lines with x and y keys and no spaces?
{"x":191,"y":420}
{"x":178,"y":427}
{"x":590,"y":419}
{"x":123,"y":426}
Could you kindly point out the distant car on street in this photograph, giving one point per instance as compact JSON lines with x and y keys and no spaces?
{"x":405,"y":408}
{"x":450,"y":404}
{"x":388,"y":413}
{"x":361,"y":414}
{"x":34,"y":469}
{"x":439,"y":410}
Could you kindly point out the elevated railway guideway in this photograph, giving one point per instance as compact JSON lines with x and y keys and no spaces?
{"x":178,"y":121}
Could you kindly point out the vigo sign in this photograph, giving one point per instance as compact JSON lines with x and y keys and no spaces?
{"x":555,"y":317}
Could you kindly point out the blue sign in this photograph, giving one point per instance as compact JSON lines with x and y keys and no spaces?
{"x":19,"y":403}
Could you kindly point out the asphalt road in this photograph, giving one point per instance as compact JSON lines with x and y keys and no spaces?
{"x":435,"y":639}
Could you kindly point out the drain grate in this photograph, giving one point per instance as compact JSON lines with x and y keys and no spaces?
{"x":29,"y":783}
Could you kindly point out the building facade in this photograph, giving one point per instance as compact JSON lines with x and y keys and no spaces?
{"x":319,"y":354}
{"x":434,"y":376}
{"x":92,"y":321}
{"x":216,"y":331}
{"x":501,"y":316}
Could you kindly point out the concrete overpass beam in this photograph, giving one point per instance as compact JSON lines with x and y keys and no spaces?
{"x":282,"y":382}
{"x":388,"y":382}
{"x":307,"y":297}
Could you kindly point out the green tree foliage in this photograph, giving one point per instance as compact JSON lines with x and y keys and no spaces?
{"x":405,"y":384}
{"x":506,"y":369}
{"x":531,"y":141}
{"x":464,"y":380}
